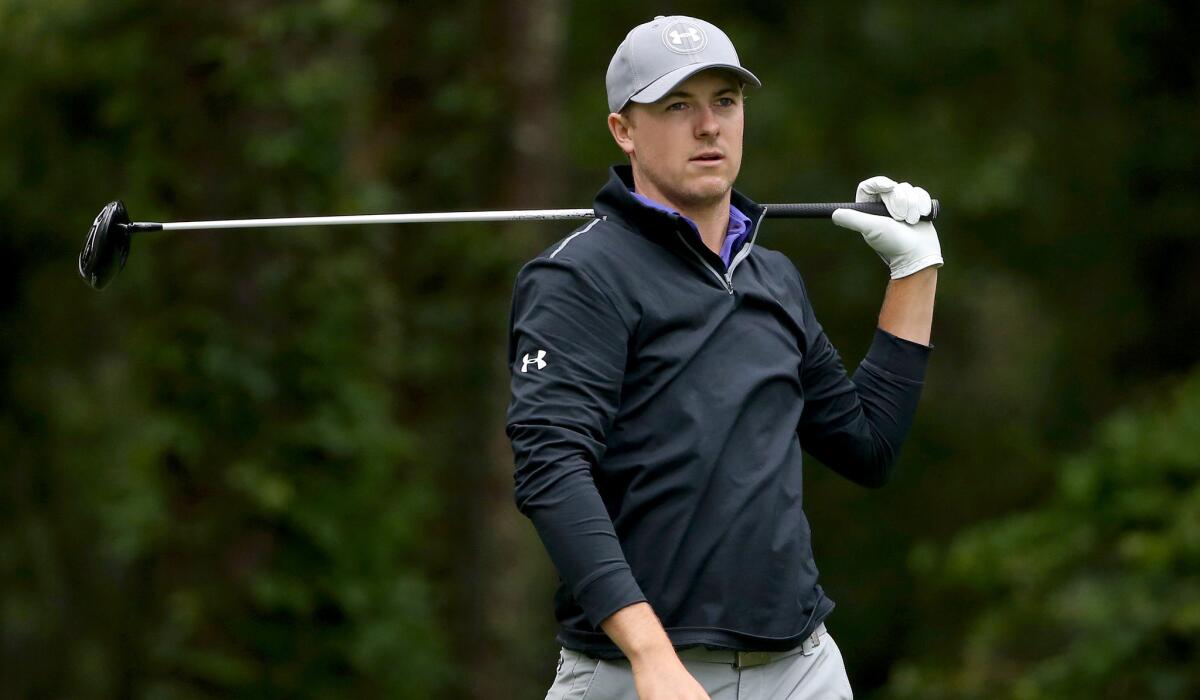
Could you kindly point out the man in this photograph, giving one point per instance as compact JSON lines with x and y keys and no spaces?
{"x":667,"y":371}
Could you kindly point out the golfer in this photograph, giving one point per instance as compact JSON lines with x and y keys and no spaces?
{"x":667,"y":371}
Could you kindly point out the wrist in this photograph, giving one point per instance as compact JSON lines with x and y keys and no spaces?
{"x":653,"y":655}
{"x":639,"y":634}
{"x":925,"y":264}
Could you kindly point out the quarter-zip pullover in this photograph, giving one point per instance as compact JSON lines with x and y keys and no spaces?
{"x":735,"y":233}
{"x":661,"y":400}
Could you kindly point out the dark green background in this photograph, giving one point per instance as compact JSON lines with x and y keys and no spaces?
{"x":273,"y":464}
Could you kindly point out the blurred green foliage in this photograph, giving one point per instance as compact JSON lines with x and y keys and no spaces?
{"x":271,"y":463}
{"x":1095,"y":594}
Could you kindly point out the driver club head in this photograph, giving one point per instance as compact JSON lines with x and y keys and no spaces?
{"x":107,"y":246}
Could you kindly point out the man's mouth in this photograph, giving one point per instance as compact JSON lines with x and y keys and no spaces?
{"x":708,"y":157}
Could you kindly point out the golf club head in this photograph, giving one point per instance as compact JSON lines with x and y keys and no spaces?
{"x":107,"y":246}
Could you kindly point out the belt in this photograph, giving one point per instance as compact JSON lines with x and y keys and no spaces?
{"x":747,"y":659}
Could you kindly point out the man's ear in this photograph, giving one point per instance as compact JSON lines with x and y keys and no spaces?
{"x":620,"y":125}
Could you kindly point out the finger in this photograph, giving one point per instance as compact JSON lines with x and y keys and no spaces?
{"x":877,"y":184}
{"x":925,"y":202}
{"x":914,"y":206}
{"x":870,"y":189}
{"x":897,"y":201}
{"x":854,"y":220}
{"x":912,"y":212}
{"x":889,"y":201}
{"x":909,"y":207}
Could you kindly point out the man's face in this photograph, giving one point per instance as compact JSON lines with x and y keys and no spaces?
{"x":688,"y":145}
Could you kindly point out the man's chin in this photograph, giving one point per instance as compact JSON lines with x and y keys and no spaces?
{"x":708,"y":188}
{"x":695,"y":189}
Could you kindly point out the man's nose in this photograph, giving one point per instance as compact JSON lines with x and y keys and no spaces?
{"x":706,"y":122}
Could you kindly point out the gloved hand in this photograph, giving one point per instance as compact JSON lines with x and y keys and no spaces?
{"x":905,"y":243}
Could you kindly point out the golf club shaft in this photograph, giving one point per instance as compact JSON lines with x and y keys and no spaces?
{"x":788,"y":211}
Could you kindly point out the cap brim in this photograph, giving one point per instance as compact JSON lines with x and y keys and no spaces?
{"x":656,"y":90}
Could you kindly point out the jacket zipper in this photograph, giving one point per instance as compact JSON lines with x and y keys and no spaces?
{"x":726,"y":281}
{"x":727,"y":278}
{"x":746,"y":248}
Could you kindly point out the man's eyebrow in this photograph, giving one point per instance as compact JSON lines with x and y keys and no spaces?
{"x":686,"y":95}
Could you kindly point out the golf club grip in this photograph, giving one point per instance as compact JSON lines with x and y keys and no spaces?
{"x":825,"y":210}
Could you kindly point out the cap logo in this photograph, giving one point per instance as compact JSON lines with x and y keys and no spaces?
{"x":684,"y":37}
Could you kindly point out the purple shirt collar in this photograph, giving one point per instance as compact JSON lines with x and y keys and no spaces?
{"x":735,"y":234}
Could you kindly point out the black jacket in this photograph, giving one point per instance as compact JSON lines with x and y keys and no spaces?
{"x":659,"y":406}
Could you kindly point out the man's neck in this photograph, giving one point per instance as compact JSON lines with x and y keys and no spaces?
{"x":712,"y":218}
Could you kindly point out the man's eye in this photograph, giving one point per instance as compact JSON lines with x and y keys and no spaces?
{"x":674,"y":105}
{"x":725,"y":101}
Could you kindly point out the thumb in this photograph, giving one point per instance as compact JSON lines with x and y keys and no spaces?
{"x":854,"y":220}
{"x":870,"y":189}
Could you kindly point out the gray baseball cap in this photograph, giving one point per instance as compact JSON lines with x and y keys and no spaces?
{"x":664,"y":52}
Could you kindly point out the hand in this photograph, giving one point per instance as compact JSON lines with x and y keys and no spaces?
{"x":905,"y":243}
{"x":658,"y":674}
{"x":666,"y":678}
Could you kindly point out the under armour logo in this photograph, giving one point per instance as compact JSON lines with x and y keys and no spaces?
{"x":677,"y":38}
{"x":684,"y":37}
{"x":540,"y":361}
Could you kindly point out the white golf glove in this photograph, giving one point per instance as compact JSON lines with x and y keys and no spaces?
{"x":905,"y":243}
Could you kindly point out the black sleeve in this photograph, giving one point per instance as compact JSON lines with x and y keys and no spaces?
{"x":560,"y":411}
{"x":856,"y":426}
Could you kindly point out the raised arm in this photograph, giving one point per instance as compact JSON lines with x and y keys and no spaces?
{"x":857,"y":427}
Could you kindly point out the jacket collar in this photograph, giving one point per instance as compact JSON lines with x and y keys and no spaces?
{"x":616,"y":201}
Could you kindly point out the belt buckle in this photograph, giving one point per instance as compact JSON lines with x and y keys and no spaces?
{"x":746,"y":659}
{"x":813,"y":641}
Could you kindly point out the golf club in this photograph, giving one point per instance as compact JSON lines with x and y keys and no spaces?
{"x":107,"y":245}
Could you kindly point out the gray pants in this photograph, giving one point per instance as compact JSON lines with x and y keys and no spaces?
{"x":812,"y":670}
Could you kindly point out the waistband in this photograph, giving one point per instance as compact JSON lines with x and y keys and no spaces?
{"x":747,"y":659}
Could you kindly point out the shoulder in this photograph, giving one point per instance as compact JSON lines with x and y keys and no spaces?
{"x":579,"y":254}
{"x":599,"y":249}
{"x":579,"y":245}
{"x":599,"y":261}
{"x":595,"y":242}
